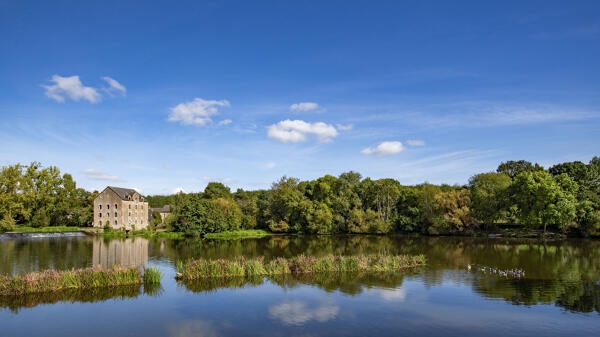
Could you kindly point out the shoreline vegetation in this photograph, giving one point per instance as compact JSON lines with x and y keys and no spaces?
{"x":239,"y":234}
{"x":221,"y":268}
{"x":524,"y":197}
{"x":96,"y":277}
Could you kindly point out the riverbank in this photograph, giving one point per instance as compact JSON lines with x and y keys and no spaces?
{"x":239,"y":234}
{"x":52,"y":280}
{"x":52,"y":229}
{"x":202,"y":268}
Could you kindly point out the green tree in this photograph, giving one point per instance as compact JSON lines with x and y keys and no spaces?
{"x":514,"y":168}
{"x":216,"y":190}
{"x":543,"y":200}
{"x":489,"y":196}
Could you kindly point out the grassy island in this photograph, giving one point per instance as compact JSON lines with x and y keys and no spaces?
{"x":201,"y":268}
{"x":52,"y":280}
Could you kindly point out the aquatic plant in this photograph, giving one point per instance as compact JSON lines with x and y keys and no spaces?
{"x":52,"y":280}
{"x":302,"y":264}
{"x":152,"y":275}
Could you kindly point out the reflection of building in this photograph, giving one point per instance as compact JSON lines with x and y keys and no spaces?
{"x":120,"y":208}
{"x":163,"y":211}
{"x":128,"y":252}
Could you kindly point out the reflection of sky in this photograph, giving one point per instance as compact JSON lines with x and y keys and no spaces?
{"x":298,"y":312}
{"x":416,"y":308}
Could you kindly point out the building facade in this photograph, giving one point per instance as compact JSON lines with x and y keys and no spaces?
{"x":122,"y":208}
{"x":163,"y":211}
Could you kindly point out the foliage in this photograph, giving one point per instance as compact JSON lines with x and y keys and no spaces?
{"x":544,"y":200}
{"x":453,"y":212}
{"x":489,"y":196}
{"x":39,"y":197}
{"x":514,"y":168}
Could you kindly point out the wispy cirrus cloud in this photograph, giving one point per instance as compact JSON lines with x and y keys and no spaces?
{"x":94,"y":174}
{"x":294,"y":131}
{"x":304,"y":107}
{"x":414,"y":142}
{"x":384,"y":149}
{"x":71,"y":87}
{"x":197,"y":112}
{"x":114,"y":86}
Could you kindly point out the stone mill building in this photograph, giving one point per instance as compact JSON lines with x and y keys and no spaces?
{"x":122,"y":208}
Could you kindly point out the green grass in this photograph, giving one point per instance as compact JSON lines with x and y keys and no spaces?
{"x":51,"y":280}
{"x":196,"y":269}
{"x":46,"y":229}
{"x":152,"y":275}
{"x":239,"y":234}
{"x":143,"y":233}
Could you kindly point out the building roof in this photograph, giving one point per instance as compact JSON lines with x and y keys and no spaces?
{"x":123,"y":193}
{"x":164,"y":209}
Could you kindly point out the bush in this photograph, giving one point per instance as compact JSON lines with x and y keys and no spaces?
{"x":7,"y":223}
{"x":279,"y":227}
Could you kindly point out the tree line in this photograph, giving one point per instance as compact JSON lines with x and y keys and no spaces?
{"x":31,"y":195}
{"x":565,"y":197}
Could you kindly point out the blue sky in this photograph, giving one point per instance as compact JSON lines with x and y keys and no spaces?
{"x":164,"y":96}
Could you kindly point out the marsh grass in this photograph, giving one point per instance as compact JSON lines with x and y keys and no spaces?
{"x":196,"y":269}
{"x":152,"y":275}
{"x":51,"y":280}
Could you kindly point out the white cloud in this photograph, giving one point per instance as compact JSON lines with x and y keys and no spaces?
{"x":178,"y":190}
{"x":304,"y":106}
{"x":139,"y":190}
{"x":270,"y":165}
{"x":295,"y":131}
{"x":114,"y":85}
{"x":395,"y":295}
{"x":415,"y":142}
{"x":196,"y":112}
{"x":71,"y":87}
{"x":384,"y":149}
{"x":298,"y":313}
{"x":94,"y":174}
{"x":346,"y":127}
{"x":225,"y":122}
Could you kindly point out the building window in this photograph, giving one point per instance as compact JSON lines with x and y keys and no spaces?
{"x":100,"y":215}
{"x":129,"y":206}
{"x":115,"y":214}
{"x":107,"y":215}
{"x":115,"y":222}
{"x":100,"y":206}
{"x":107,"y":206}
{"x":115,"y":206}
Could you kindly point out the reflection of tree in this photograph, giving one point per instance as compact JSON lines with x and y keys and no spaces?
{"x":560,"y":272}
{"x":576,"y":296}
{"x":347,"y":283}
{"x":15,"y":303}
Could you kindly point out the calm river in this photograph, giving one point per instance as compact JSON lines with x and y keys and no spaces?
{"x":559,"y":295}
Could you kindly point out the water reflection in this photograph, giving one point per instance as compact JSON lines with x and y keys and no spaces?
{"x":17,"y":303}
{"x":560,"y":273}
{"x":300,"y":312}
{"x":123,"y":252}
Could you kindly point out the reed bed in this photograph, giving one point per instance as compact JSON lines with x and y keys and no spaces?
{"x":201,"y":268}
{"x":51,"y":280}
